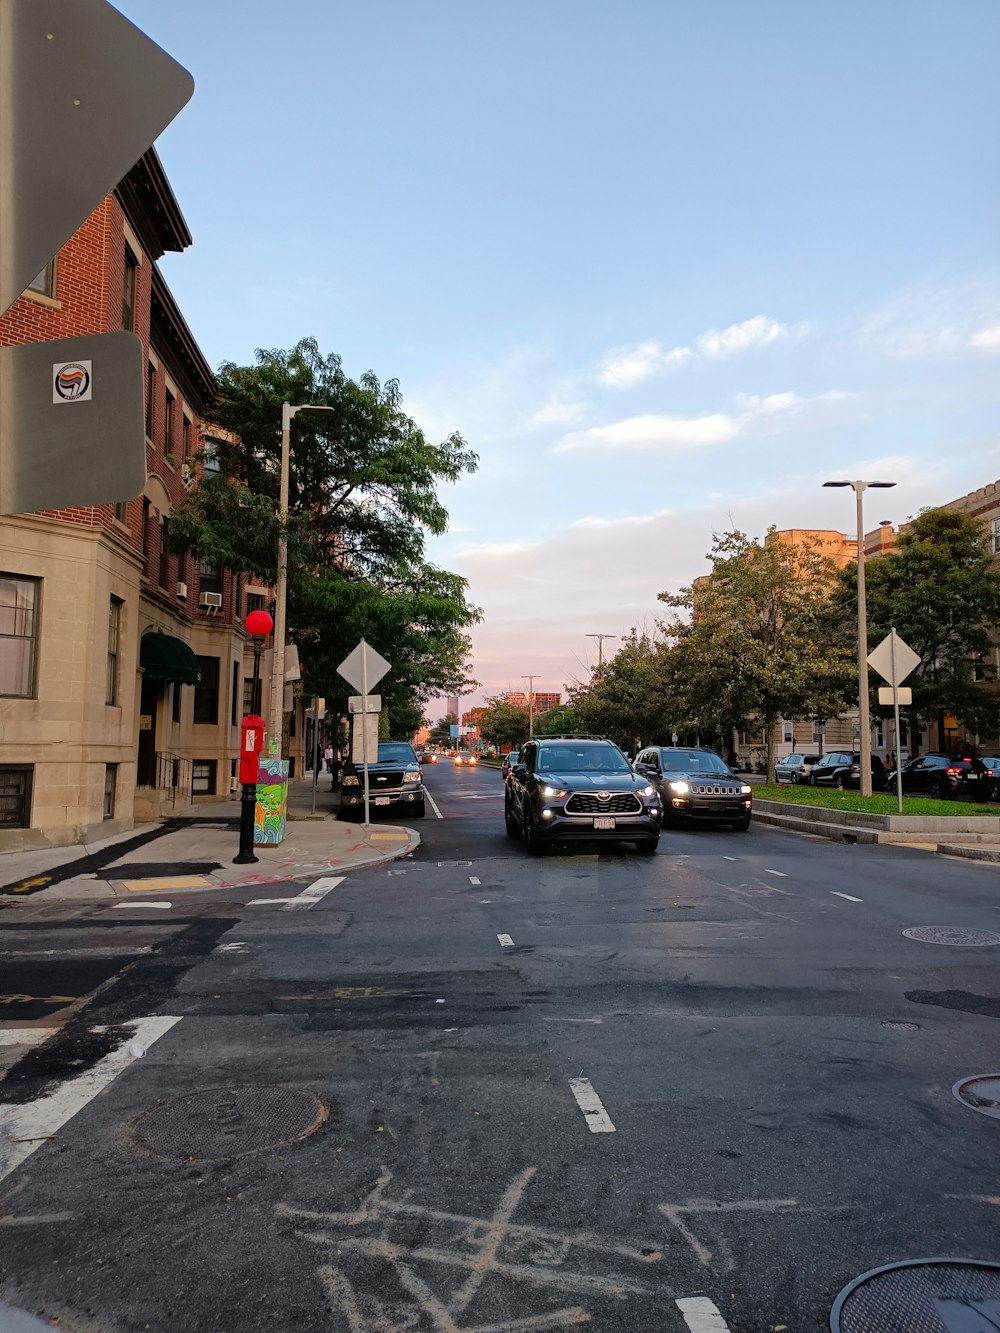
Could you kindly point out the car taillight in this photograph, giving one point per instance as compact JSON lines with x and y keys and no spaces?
{"x":953,"y":772}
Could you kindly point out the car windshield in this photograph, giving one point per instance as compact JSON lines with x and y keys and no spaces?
{"x":395,"y":752}
{"x":694,"y":761}
{"x":581,"y":758}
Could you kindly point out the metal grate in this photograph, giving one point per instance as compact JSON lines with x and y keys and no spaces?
{"x":713,"y":789}
{"x":961,"y":936}
{"x":981,"y":1092}
{"x":921,"y":1296}
{"x":216,"y":1123}
{"x":619,"y":803}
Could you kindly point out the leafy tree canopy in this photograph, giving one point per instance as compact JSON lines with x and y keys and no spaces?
{"x":503,"y":723}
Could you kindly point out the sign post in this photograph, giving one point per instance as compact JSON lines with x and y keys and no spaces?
{"x":361,"y":668}
{"x":894,"y":660}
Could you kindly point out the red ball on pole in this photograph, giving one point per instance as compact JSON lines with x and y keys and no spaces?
{"x":259,"y":624}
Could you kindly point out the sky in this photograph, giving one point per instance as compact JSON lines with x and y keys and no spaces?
{"x":666,"y":265}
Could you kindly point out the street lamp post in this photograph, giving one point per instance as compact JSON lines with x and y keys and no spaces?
{"x":281,"y":583}
{"x":259,"y":625}
{"x":531,"y":702}
{"x":600,"y":646}
{"x":864,"y":720}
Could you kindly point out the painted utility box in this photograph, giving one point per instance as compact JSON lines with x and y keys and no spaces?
{"x":272,"y":802}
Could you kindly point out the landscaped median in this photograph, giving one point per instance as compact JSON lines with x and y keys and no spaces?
{"x":952,"y":827}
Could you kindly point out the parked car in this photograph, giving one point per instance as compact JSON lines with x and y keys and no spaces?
{"x":394,"y":779}
{"x":696,"y":786}
{"x":509,"y":760}
{"x":941,"y":777}
{"x":566,"y":788}
{"x":841,"y":768}
{"x":795,"y":767}
{"x":880,"y":773}
{"x":992,"y":763}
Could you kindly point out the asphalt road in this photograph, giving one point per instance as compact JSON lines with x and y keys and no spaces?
{"x":583,"y":1088}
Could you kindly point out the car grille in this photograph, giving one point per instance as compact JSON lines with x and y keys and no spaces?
{"x":382,"y":778}
{"x":620,"y":803}
{"x":712,"y":789}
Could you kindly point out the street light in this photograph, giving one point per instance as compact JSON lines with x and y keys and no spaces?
{"x":864,"y":721}
{"x":531,"y":702}
{"x":600,"y":646}
{"x":281,"y":585}
{"x":258,"y":625}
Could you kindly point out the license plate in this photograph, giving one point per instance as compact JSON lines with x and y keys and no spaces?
{"x":381,"y":800}
{"x":604,"y":823}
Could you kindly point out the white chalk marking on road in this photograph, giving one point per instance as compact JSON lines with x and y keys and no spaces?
{"x":24,"y":1036}
{"x":162,"y":906}
{"x":267,"y":902}
{"x":310,"y":897}
{"x":780,"y":873}
{"x":433,"y":804}
{"x":474,"y":879}
{"x":598,"y":1120}
{"x":23,"y":1128}
{"x":506,"y":941}
{"x":729,"y":858}
{"x":848,"y":896}
{"x":701,"y":1315}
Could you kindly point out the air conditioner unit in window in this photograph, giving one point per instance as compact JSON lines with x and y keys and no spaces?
{"x":211,"y":600}
{"x":182,"y":592}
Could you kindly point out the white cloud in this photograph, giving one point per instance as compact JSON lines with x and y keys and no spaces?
{"x":770,"y":405}
{"x":756,"y":332}
{"x":653,"y":432}
{"x":626,"y":366}
{"x":557,"y":413}
{"x":987,"y":340}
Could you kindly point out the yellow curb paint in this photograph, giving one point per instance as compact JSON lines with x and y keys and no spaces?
{"x":387,"y":837}
{"x":167,"y":882}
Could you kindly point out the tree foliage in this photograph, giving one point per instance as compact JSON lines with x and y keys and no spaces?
{"x":503,"y":723}
{"x":363,"y":494}
{"x":627,"y":698}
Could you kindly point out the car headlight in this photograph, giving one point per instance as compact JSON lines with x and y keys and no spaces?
{"x":745,"y":790}
{"x":411,"y":775}
{"x":350,"y":781}
{"x":552,"y":791}
{"x":679,"y":788}
{"x":649,"y":791}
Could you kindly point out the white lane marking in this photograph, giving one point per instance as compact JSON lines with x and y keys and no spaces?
{"x":23,"y":1128}
{"x":729,"y":858}
{"x":162,"y":906}
{"x":433,"y":804}
{"x":310,"y":897}
{"x":780,"y":873}
{"x":598,"y":1120}
{"x":24,"y":1036}
{"x":474,"y":879}
{"x":701,"y":1315}
{"x":506,"y":941}
{"x":848,"y":896}
{"x":266,"y":902}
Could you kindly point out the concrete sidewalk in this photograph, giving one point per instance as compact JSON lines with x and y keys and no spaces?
{"x":196,"y":850}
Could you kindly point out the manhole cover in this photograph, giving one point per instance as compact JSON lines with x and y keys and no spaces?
{"x":921,"y":1296}
{"x":898,"y":1025}
{"x":981,"y":1092}
{"x":960,"y":935}
{"x":230,"y":1122}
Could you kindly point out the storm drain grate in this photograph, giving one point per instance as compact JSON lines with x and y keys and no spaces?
{"x":899,"y":1025}
{"x":981,"y":1092}
{"x":229,"y":1122}
{"x":921,"y":1296}
{"x":959,"y":935}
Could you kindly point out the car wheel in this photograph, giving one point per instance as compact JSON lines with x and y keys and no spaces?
{"x":419,"y":810}
{"x":742,"y":825}
{"x":994,"y":792}
{"x":935,"y":789}
{"x":531,"y":839}
{"x":838,"y":782}
{"x":508,"y":820}
{"x":647,"y":846}
{"x":811,"y":781}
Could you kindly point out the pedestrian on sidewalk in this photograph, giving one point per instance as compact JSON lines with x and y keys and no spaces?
{"x":328,"y":759}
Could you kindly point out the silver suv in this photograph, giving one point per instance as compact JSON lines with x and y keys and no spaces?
{"x":795,"y":767}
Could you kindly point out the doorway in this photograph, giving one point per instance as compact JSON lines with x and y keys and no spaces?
{"x":149,"y":703}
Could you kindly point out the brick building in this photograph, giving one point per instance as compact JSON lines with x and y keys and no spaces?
{"x":120,"y":664}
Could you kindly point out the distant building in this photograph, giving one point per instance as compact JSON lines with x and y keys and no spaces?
{"x":542,"y":700}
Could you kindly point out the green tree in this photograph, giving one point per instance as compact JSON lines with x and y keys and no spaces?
{"x":557,"y":721}
{"x":627,"y":699}
{"x":362,"y":497}
{"x":757,"y":643}
{"x":503,"y":723}
{"x":940,"y":590}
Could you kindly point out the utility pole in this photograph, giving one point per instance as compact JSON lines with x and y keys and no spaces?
{"x":600,"y":646}
{"x":531,"y":702}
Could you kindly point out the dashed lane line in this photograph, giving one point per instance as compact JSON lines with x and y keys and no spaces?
{"x":702,"y":1315}
{"x":474,"y":879}
{"x":780,"y":873}
{"x":598,"y":1120}
{"x":506,"y":941}
{"x":163,"y":907}
{"x":433,"y":804}
{"x":310,"y":896}
{"x":850,"y":898}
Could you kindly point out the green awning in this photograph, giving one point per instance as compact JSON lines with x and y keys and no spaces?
{"x":162,"y":657}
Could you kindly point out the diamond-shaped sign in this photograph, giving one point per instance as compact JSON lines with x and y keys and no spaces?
{"x":882,"y":659}
{"x":363,"y":667}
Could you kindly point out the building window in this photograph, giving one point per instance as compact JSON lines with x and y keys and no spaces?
{"x":186,"y":437}
{"x":788,"y":732}
{"x":256,"y":601}
{"x":129,"y":290}
{"x":114,"y":640}
{"x":145,"y":536}
{"x":996,"y":535}
{"x":168,"y":423}
{"x":206,"y":692}
{"x":45,"y":283}
{"x":18,"y":635}
{"x":110,"y":789}
{"x":164,"y":570}
{"x":15,"y":796}
{"x":175,"y":706}
{"x":150,"y":396}
{"x":251,"y":697}
{"x":210,"y":459}
{"x":879,"y":734}
{"x":121,"y":511}
{"x":209,"y":578}
{"x":235,"y":696}
{"x":203,"y":776}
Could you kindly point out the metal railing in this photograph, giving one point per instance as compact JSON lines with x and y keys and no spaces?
{"x":176,"y":775}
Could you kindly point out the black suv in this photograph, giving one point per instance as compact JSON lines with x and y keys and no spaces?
{"x":696,"y":786}
{"x":841,"y":768}
{"x":940,"y":777}
{"x":394,"y":779}
{"x":565,"y":788}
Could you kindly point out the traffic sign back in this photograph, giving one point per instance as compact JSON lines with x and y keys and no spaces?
{"x":881,"y":659}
